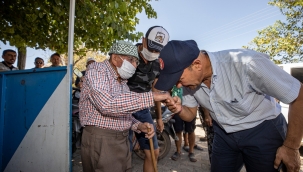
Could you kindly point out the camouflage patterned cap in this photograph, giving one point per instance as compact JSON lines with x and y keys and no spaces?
{"x":124,"y":48}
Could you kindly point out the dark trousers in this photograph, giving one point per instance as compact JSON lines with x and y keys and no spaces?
{"x":255,"y":148}
{"x":105,"y":150}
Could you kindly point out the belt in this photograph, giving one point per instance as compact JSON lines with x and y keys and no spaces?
{"x":105,"y":132}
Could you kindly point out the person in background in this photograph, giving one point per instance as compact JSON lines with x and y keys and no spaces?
{"x":55,"y":59}
{"x":106,"y":106}
{"x":143,"y":81}
{"x":186,"y":145}
{"x":39,"y":62}
{"x":208,"y":129}
{"x":238,"y":87}
{"x":79,"y":80}
{"x":9,"y":57}
{"x":188,"y":128}
{"x":88,"y":62}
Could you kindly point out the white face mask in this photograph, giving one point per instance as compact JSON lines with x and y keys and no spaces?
{"x":126,"y":70}
{"x":149,"y":56}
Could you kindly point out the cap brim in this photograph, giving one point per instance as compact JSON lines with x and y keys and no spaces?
{"x":153,"y":46}
{"x":167,"y":81}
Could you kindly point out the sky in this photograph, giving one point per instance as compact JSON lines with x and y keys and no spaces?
{"x":214,"y":24}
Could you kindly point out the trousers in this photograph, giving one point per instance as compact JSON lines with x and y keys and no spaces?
{"x":105,"y":150}
{"x":255,"y":147}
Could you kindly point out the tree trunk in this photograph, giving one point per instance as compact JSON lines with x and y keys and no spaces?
{"x":21,"y":57}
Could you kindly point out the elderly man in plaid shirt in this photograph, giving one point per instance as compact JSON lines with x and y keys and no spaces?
{"x":106,"y":107}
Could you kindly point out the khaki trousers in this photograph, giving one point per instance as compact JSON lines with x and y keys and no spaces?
{"x":105,"y":150}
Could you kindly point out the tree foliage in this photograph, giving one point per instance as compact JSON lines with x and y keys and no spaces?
{"x":80,"y":60}
{"x":283,"y":41}
{"x":44,"y":24}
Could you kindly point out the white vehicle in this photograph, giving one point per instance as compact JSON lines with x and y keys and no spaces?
{"x":296,"y":70}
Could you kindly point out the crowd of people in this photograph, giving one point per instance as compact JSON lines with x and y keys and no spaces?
{"x":235,"y":89}
{"x":116,"y":87}
{"x":9,"y":58}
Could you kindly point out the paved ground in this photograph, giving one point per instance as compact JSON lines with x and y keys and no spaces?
{"x":168,"y":165}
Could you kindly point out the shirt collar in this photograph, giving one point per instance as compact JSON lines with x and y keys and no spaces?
{"x":213,"y":62}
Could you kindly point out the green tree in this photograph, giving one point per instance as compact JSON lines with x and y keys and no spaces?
{"x":283,"y":41}
{"x":43,"y":24}
{"x":80,"y":60}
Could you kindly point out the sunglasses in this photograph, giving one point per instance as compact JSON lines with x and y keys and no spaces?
{"x":39,"y":62}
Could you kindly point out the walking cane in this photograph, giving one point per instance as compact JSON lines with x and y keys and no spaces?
{"x":151,"y":144}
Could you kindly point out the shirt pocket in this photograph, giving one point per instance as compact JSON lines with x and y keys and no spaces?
{"x":240,"y":107}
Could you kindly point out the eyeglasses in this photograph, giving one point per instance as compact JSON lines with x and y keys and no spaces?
{"x":39,"y":62}
{"x":131,"y":59}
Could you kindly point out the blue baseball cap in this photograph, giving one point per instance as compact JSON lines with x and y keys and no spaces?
{"x":173,"y":59}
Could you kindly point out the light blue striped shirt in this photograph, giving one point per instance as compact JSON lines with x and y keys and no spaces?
{"x":243,"y":85}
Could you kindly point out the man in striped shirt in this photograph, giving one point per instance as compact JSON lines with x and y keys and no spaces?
{"x":238,"y":87}
{"x":106,"y":106}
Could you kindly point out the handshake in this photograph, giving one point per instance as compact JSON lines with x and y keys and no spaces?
{"x":172,"y":103}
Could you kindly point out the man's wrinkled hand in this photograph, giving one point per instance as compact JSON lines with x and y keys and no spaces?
{"x":290,"y":157}
{"x":174,"y":104}
{"x":147,"y":128}
{"x":161,"y":96}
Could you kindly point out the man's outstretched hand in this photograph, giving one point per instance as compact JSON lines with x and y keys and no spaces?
{"x":174,"y":104}
{"x":161,"y":96}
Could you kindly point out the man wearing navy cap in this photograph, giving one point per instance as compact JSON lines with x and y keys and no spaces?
{"x":237,"y":87}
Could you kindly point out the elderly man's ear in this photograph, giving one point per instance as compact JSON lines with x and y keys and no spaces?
{"x":116,"y":60}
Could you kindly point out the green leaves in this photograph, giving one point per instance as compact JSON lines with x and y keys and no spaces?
{"x":44,"y":24}
{"x":283,"y":41}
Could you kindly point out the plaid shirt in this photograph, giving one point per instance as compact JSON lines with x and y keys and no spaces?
{"x":107,"y":103}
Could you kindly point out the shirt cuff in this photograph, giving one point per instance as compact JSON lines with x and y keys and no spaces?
{"x":294,"y":93}
{"x":135,"y":127}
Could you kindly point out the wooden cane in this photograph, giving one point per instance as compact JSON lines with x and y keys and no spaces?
{"x":151,"y":144}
